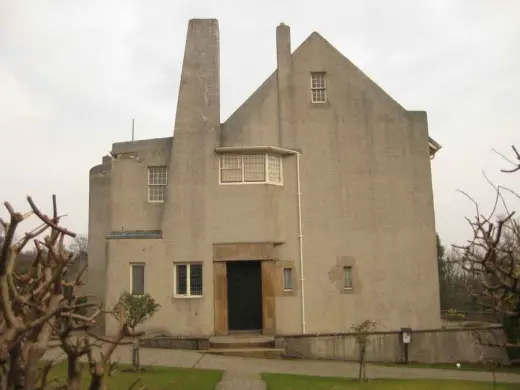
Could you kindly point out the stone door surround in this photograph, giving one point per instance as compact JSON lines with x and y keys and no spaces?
{"x":264,"y":252}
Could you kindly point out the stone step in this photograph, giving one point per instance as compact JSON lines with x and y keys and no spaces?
{"x":264,"y":353}
{"x":241,"y":341}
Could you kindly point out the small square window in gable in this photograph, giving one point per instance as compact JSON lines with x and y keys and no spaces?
{"x":318,"y":87}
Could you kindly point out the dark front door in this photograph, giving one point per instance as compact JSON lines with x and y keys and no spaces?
{"x":244,"y":280}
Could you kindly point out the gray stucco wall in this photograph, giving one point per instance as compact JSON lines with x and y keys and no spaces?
{"x":366,"y":195}
{"x":256,"y":121}
{"x":98,"y":228}
{"x":130,"y":209}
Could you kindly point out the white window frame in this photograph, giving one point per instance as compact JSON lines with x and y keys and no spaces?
{"x":132,"y":265}
{"x":266,"y":169}
{"x":345,"y":287}
{"x":290,"y":278}
{"x":188,"y":280}
{"x":156,"y":185}
{"x":324,"y":88}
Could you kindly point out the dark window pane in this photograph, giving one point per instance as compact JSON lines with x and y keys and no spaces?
{"x":138,"y":279}
{"x":287,"y":279}
{"x":196,"y":279}
{"x":182,"y":280}
{"x":348,"y":277}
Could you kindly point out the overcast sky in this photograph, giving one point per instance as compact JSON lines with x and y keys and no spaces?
{"x":73,"y":74}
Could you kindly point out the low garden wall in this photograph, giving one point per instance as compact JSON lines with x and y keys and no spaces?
{"x":451,"y":345}
{"x":175,"y":342}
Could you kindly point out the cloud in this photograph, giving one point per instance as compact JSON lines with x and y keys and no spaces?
{"x":74,"y":74}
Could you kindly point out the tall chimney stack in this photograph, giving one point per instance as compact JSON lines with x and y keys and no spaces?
{"x":283,"y":46}
{"x":284,"y":73}
{"x":196,"y":134}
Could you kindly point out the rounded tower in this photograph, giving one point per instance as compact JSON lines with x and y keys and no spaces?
{"x":98,"y":229}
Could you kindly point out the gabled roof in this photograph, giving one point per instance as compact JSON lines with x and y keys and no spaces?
{"x":263,"y":88}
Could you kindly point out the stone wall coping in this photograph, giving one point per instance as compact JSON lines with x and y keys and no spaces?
{"x":391,"y":332}
{"x":188,"y":338}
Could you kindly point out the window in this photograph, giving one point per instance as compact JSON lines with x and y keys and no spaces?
{"x":287,"y":279}
{"x":274,"y":168}
{"x":137,"y":279}
{"x":347,"y":278}
{"x":231,"y":168}
{"x":188,"y":280}
{"x":157,"y":179}
{"x":254,"y":167}
{"x":251,"y":168}
{"x":318,"y":87}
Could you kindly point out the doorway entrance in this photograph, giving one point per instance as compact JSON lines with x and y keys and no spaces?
{"x":244,"y":289}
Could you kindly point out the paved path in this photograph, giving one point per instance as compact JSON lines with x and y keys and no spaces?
{"x":239,"y":369}
{"x":237,"y":380}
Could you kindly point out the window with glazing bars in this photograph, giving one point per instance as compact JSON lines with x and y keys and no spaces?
{"x":188,"y":280}
{"x":318,"y":87}
{"x":250,"y":168}
{"x":157,"y":180}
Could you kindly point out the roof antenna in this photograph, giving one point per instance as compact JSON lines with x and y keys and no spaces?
{"x":132,"y":129}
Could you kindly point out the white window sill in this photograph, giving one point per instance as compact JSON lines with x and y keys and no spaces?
{"x":186,"y":296}
{"x":250,"y":182}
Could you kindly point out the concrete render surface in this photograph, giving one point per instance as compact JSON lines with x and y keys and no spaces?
{"x":244,"y":373}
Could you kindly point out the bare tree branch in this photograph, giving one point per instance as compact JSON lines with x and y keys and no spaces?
{"x":41,"y":304}
{"x":491,"y":258}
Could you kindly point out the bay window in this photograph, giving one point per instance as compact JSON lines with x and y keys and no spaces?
{"x":251,"y":168}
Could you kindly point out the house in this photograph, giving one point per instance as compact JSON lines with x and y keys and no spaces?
{"x":308,"y":210}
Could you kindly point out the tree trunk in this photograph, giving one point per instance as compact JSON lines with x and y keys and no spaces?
{"x":136,"y":354}
{"x":96,"y":381}
{"x":73,"y":373}
{"x":31,"y":369}
{"x":16,"y":375}
{"x":37,"y":350}
{"x":360,"y":363}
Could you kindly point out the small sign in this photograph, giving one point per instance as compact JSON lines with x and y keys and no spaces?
{"x":406,"y":337}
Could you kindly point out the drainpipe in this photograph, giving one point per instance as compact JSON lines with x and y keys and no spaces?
{"x":300,"y":240}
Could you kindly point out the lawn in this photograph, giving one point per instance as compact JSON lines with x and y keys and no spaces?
{"x":463,"y":366}
{"x":297,"y":382}
{"x":154,"y":378}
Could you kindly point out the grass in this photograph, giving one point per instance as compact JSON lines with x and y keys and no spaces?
{"x":154,"y":378}
{"x":301,"y":382}
{"x":463,"y":366}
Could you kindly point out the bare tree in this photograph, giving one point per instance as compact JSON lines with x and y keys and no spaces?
{"x":79,"y":246}
{"x":41,"y":304}
{"x":491,"y":258}
{"x":492,"y":255}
